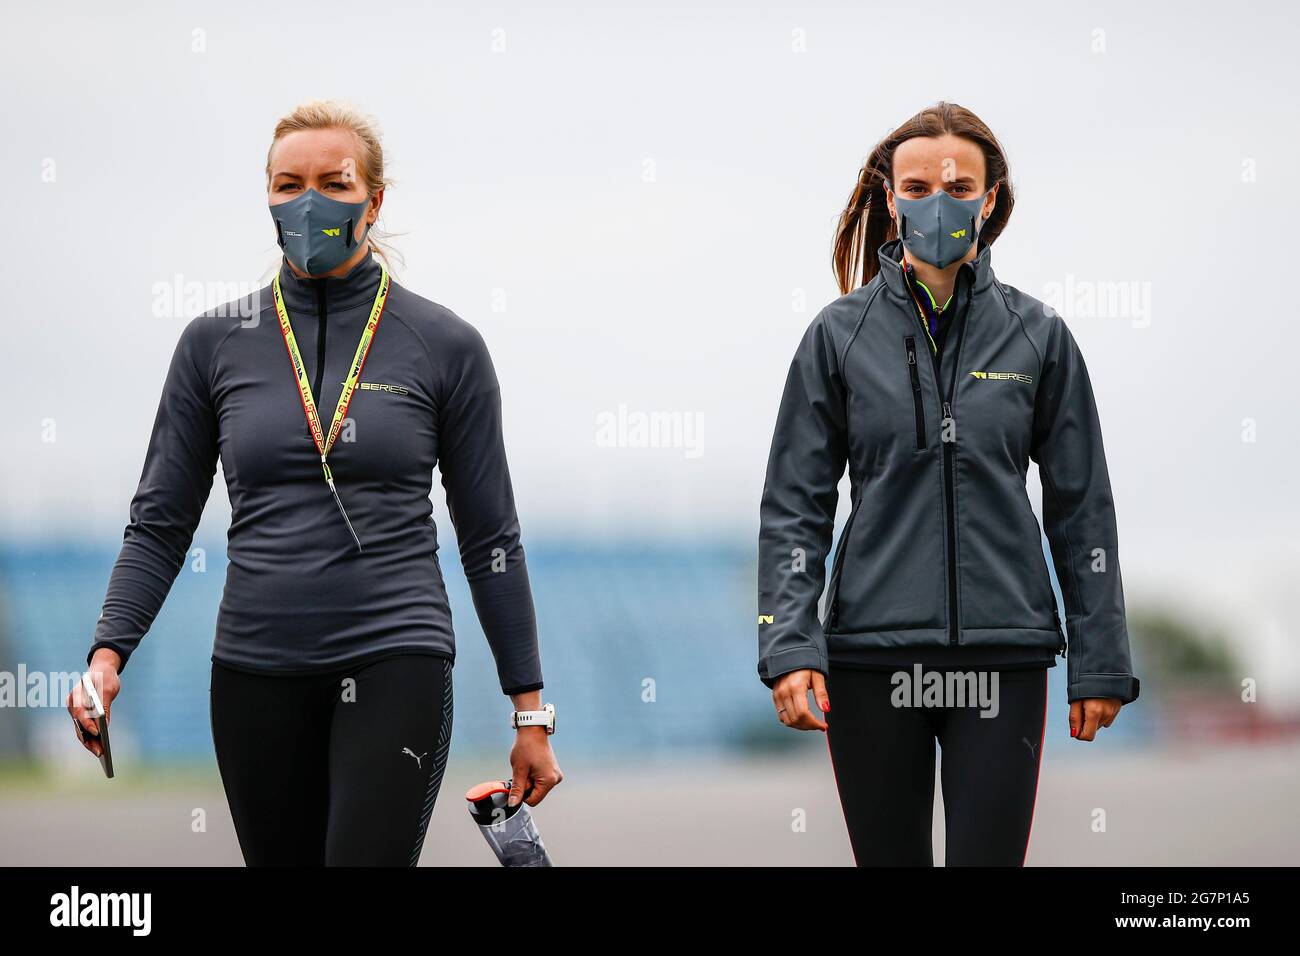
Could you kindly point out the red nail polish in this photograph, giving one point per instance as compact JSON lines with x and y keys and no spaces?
{"x":1074,"y":731}
{"x":826,"y":706}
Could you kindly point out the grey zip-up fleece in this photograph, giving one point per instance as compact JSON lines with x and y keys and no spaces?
{"x":299,"y":596}
{"x":941,"y":547}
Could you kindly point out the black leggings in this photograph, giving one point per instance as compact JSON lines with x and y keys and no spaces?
{"x":337,"y":768}
{"x":883,"y":757}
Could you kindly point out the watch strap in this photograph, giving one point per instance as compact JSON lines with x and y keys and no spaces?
{"x":535,"y":718}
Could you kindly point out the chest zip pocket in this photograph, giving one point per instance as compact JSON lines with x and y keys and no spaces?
{"x":917,"y":401}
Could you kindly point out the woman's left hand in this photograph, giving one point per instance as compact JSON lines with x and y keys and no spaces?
{"x":1091,"y":714}
{"x":533,"y":766}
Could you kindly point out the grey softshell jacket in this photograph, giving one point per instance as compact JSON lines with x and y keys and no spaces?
{"x":941,"y":546}
{"x":299,"y":597}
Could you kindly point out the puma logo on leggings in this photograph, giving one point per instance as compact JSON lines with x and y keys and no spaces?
{"x":309,"y":772}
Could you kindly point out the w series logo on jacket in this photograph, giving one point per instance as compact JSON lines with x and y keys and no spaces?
{"x":1005,"y":376}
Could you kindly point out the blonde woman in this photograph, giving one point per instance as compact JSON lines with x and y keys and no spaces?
{"x":331,"y":695}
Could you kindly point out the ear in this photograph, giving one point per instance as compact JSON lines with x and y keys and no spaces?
{"x":990,"y":201}
{"x":889,"y":201}
{"x":377,"y":200}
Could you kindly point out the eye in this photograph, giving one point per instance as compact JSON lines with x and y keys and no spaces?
{"x":336,"y":184}
{"x":285,"y":187}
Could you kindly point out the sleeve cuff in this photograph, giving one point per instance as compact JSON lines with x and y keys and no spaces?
{"x":122,"y":652}
{"x":776,"y":665}
{"x":523,"y":689}
{"x":1123,"y":686}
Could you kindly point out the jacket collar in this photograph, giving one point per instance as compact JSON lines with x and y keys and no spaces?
{"x":979,"y":269}
{"x":355,"y":287}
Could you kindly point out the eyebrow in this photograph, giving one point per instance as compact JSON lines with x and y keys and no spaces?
{"x":959,"y":179}
{"x":335,"y":172}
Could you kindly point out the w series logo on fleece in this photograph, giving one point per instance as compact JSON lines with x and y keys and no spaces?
{"x":381,"y":387}
{"x":1005,"y":376}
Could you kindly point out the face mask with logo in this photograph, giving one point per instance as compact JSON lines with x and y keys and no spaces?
{"x":940,"y":228}
{"x":316,"y":232}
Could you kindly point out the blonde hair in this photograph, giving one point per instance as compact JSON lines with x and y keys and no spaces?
{"x":335,"y":114}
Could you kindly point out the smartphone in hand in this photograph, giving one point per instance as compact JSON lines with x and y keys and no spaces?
{"x":101,"y":723}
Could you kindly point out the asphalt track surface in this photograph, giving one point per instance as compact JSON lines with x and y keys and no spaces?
{"x":1191,"y":806}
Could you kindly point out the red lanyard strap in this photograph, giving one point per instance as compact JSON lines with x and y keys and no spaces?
{"x":326,"y":442}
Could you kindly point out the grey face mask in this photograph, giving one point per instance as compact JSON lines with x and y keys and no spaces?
{"x":316,"y":232}
{"x":940,"y":228}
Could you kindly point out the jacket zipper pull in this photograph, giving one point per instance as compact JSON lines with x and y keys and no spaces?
{"x":947,"y":411}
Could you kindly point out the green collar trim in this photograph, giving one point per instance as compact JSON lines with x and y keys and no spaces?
{"x":930,"y":296}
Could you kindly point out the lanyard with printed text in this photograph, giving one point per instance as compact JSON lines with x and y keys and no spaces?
{"x":325,"y":442}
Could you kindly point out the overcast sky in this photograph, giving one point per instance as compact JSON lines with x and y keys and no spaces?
{"x":651,"y":193}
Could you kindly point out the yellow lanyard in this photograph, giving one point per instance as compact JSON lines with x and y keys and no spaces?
{"x":325,"y":442}
{"x":920,"y":312}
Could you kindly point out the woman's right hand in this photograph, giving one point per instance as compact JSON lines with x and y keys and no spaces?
{"x":103,"y":669}
{"x":790,"y":698}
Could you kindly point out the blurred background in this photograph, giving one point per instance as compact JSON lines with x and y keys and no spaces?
{"x":634,"y":203}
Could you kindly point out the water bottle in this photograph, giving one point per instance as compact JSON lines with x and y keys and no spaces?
{"x":509,"y":831}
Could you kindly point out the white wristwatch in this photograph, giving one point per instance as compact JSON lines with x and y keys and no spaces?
{"x":535,"y":718}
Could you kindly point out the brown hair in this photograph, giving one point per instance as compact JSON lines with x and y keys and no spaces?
{"x":865,"y":224}
{"x":333,"y":114}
